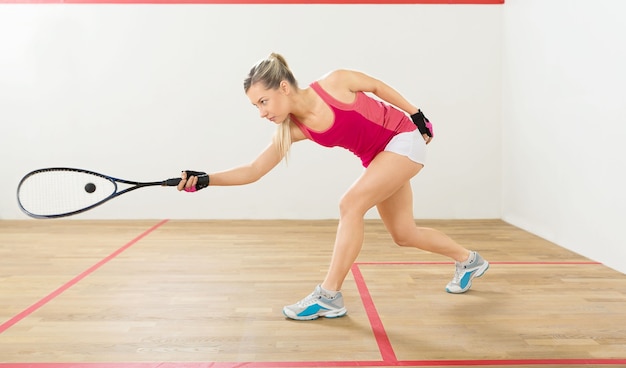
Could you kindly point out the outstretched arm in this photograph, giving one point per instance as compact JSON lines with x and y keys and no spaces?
{"x":245,"y":174}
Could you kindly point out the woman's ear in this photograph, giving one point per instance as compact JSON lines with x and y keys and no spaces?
{"x":285,"y":87}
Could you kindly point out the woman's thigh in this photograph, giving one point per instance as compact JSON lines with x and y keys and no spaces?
{"x":386,"y":174}
{"x":396,"y":213}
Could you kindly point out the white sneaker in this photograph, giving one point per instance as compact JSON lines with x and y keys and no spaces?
{"x":475,"y":266}
{"x":316,"y":305}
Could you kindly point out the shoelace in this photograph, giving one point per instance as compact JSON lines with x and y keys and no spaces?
{"x":458,"y":271}
{"x":310,"y":299}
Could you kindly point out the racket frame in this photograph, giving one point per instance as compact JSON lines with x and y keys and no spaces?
{"x":113,"y":180}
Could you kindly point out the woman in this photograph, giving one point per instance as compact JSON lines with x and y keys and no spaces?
{"x":389,"y":137}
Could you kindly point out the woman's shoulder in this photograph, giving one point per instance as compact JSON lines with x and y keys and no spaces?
{"x":297,"y":133}
{"x":337,"y":84}
{"x":336,"y":76}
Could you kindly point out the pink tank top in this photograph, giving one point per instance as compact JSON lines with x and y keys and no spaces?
{"x":364,"y":126}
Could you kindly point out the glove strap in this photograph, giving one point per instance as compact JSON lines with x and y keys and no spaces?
{"x":422,"y":123}
{"x":203,"y":180}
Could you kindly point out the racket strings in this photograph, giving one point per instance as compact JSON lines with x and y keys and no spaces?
{"x":58,"y":192}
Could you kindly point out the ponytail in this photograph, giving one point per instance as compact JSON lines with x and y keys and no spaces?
{"x":282,"y":138}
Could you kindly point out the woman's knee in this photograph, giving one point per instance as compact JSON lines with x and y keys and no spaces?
{"x":406,"y":236}
{"x":402,"y":240}
{"x":350,"y":205}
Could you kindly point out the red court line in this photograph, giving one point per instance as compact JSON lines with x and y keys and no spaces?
{"x":384,"y":345}
{"x":266,"y":2}
{"x":553,"y":263}
{"x":28,"y":311}
{"x":404,"y":363}
{"x":389,"y":358}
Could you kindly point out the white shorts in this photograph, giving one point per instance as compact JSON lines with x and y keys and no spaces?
{"x":409,"y":144}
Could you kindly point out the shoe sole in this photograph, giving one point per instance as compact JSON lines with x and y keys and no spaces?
{"x":481,"y":271}
{"x":336,"y":314}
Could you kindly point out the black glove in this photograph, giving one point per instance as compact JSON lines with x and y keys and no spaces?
{"x":423,"y":124}
{"x":203,"y":179}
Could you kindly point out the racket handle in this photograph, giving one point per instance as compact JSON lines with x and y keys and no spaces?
{"x":171,"y":182}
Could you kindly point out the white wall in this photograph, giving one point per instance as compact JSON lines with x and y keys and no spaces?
{"x":143,"y":91}
{"x":564,"y":124}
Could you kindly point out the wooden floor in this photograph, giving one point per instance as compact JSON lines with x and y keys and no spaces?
{"x":147,"y":294}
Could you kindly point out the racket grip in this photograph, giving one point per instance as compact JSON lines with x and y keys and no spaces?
{"x":171,"y":182}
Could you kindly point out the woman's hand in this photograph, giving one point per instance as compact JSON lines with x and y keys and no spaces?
{"x":192,"y":181}
{"x":423,"y":125}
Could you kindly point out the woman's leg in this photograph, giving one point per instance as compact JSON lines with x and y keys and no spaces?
{"x":397,"y":215}
{"x":384,"y":176}
{"x":388,"y":172}
{"x":385,"y":184}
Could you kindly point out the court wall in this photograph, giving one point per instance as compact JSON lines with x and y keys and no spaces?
{"x":143,"y":91}
{"x":564,"y":115}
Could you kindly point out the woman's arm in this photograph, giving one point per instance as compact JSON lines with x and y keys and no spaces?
{"x":343,"y":84}
{"x":246,"y":174}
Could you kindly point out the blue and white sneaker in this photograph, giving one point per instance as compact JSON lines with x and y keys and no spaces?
{"x":475,"y":266}
{"x":316,"y":305}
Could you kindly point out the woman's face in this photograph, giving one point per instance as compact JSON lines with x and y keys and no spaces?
{"x":272,"y":103}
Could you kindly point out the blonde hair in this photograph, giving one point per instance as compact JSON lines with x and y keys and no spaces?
{"x":271,"y":71}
